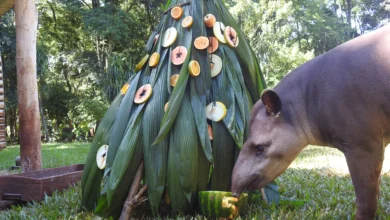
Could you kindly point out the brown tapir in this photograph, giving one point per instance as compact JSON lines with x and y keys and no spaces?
{"x":339,"y":99}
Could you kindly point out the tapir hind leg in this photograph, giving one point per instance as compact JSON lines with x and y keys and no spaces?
{"x":365,"y":167}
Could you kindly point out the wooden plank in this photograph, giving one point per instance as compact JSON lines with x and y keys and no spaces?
{"x":1,"y":90}
{"x":2,"y":112}
{"x":2,"y":105}
{"x":1,"y":97}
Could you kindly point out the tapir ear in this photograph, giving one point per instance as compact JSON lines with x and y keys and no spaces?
{"x":271,"y":101}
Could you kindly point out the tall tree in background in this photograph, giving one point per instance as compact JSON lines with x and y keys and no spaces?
{"x":26,"y":19}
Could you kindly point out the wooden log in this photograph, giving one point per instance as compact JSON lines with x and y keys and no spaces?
{"x":26,"y":20}
{"x":2,"y":98}
{"x":133,"y":198}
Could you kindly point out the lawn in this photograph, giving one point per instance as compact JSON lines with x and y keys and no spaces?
{"x":319,"y":176}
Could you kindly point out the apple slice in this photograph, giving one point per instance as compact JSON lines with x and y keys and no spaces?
{"x":143,"y":94}
{"x":169,"y":37}
{"x":218,"y":30}
{"x":216,"y":111}
{"x":231,"y":36}
{"x":215,"y":65}
{"x":101,"y":157}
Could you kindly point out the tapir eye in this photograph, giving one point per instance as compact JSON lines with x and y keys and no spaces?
{"x":259,"y":150}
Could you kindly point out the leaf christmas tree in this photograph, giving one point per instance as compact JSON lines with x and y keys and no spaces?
{"x":185,"y":113}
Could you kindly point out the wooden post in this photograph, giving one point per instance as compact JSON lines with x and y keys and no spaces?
{"x":26,"y":19}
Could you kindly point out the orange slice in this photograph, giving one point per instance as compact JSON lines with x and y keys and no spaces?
{"x":210,"y":130}
{"x":143,"y":94}
{"x":213,"y":46}
{"x":179,"y":54}
{"x":166,"y":106}
{"x":187,"y":22}
{"x":194,"y":68}
{"x":125,"y":88}
{"x":154,"y":59}
{"x":177,"y":12}
{"x":209,"y":20}
{"x":231,"y":36}
{"x":174,"y":79}
{"x":201,"y":43}
{"x":141,"y":63}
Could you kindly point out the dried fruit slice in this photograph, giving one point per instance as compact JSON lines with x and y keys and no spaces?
{"x":125,"y":88}
{"x":215,"y":65}
{"x":194,"y":68}
{"x":166,"y":107}
{"x":179,"y":54}
{"x":170,"y":36}
{"x":143,"y":94}
{"x":216,"y":111}
{"x":213,"y":46}
{"x":209,"y":20}
{"x":101,"y":157}
{"x":231,"y":36}
{"x":177,"y":12}
{"x":187,"y":22}
{"x":210,"y":130}
{"x":174,"y":79}
{"x":154,"y":59}
{"x":141,"y":63}
{"x":201,"y":43}
{"x":218,"y":30}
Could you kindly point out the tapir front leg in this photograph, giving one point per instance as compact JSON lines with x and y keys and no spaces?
{"x":365,"y":165}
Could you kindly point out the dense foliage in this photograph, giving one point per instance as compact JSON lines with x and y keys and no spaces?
{"x":87,"y":49}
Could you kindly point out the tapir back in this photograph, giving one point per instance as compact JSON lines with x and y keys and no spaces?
{"x":346,"y":91}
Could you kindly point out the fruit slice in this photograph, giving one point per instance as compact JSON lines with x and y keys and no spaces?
{"x":166,"y":107}
{"x":156,"y":38}
{"x":217,"y":204}
{"x":177,"y":12}
{"x":213,"y":46}
{"x":154,"y":59}
{"x":194,"y":68}
{"x":215,"y":111}
{"x":201,"y":43}
{"x":174,"y":79}
{"x":179,"y":54}
{"x":210,"y":130}
{"x":218,"y":30}
{"x":231,"y":36}
{"x":125,"y":88}
{"x":141,"y":63}
{"x":187,"y":22}
{"x":101,"y":157}
{"x":169,"y":37}
{"x":215,"y":65}
{"x":143,"y":94}
{"x":209,"y":20}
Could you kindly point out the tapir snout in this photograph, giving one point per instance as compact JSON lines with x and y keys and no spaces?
{"x":340,"y":99}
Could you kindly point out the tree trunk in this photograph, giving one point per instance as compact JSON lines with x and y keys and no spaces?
{"x":26,"y":20}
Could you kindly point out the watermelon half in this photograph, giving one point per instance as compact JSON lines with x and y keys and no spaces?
{"x":218,"y":204}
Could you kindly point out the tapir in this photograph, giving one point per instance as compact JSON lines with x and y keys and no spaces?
{"x":339,"y":99}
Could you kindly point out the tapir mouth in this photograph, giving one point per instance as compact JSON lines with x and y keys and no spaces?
{"x":254,"y":185}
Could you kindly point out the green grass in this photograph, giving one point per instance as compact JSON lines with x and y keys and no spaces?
{"x":319,"y":176}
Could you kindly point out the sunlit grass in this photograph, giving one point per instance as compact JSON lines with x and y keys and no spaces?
{"x":319,"y":176}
